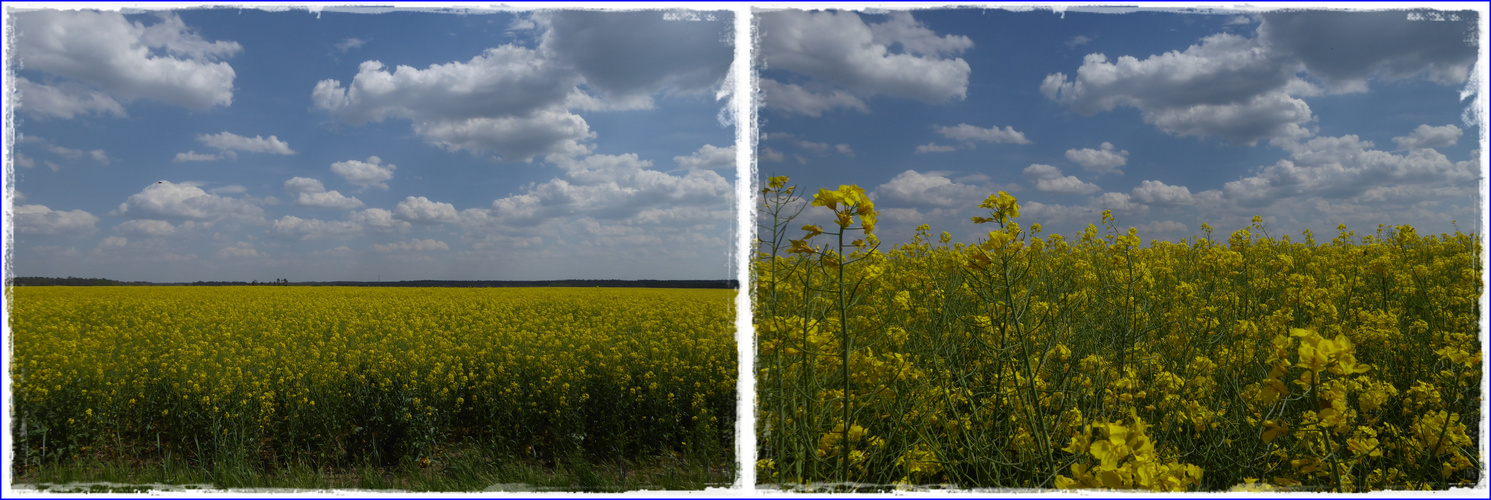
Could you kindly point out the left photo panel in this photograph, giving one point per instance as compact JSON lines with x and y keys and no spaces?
{"x":369,"y":249}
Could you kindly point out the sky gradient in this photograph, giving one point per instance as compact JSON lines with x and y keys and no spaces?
{"x":245,"y":144}
{"x":1169,"y":119}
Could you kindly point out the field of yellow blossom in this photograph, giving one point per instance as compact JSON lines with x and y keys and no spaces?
{"x":344,"y":376}
{"x":1024,"y":360}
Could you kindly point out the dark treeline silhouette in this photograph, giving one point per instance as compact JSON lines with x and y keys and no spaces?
{"x":71,"y":281}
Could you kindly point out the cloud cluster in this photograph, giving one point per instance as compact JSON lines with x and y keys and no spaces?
{"x":1246,"y":89}
{"x":186,"y":201}
{"x":229,"y":144}
{"x":102,"y":58}
{"x":311,"y":193}
{"x":1048,"y":179}
{"x":1105,"y":159}
{"x":38,"y":219}
{"x":365,"y":174}
{"x":517,"y":102}
{"x":844,"y":60}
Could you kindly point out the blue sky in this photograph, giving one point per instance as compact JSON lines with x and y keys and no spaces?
{"x":1169,"y":119}
{"x":228,"y":144}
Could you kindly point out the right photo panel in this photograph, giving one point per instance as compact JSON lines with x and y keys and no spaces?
{"x":1119,"y":249}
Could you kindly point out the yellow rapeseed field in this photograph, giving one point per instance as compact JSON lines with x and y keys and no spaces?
{"x":368,"y":375}
{"x":1255,"y":361}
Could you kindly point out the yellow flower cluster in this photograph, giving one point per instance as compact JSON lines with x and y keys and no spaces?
{"x":352,"y":374}
{"x":1254,"y":362}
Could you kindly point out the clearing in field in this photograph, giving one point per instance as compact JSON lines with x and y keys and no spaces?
{"x":332,"y":387}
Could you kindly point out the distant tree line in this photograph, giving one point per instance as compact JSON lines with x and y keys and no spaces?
{"x":71,"y":281}
{"x":68,"y":281}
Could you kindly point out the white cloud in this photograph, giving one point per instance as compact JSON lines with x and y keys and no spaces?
{"x":915,"y":189}
{"x":772,"y":155}
{"x":350,"y":43}
{"x":311,"y":193}
{"x":614,"y":188}
{"x":194,"y":156}
{"x":145,"y":227}
{"x":114,"y":242}
{"x":509,"y":100}
{"x":844,"y":149}
{"x":514,"y":138}
{"x":411,"y":246}
{"x":1048,"y":179}
{"x":168,"y":200}
{"x":38,"y":219}
{"x":849,"y":59}
{"x":1163,"y":195}
{"x":63,"y":101}
{"x":365,"y":174}
{"x":421,"y":210}
{"x":708,"y":157}
{"x":969,"y":133}
{"x":379,"y":220}
{"x":932,"y":147}
{"x":292,"y":227}
{"x":239,"y":250}
{"x":1345,"y":168}
{"x":24,"y":161}
{"x":1247,"y":89}
{"x":229,"y":142}
{"x":794,"y":98}
{"x":1102,"y":160}
{"x":1078,"y":41}
{"x":1115,"y":202}
{"x":166,"y":62}
{"x":1429,"y":137}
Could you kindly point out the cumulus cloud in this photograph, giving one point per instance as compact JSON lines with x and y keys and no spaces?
{"x":1162,"y":195}
{"x":168,"y":200}
{"x":145,"y":227}
{"x":915,"y":189}
{"x":426,"y":245}
{"x":350,"y":43}
{"x":1248,"y":89}
{"x":365,"y":174}
{"x":239,"y":250}
{"x":1102,"y":160}
{"x":1347,"y":167}
{"x":969,"y":133}
{"x":708,"y":157}
{"x":1048,"y":179}
{"x":1429,"y":137}
{"x":229,"y":142}
{"x":794,"y":98}
{"x":514,"y":138}
{"x":613,"y":188}
{"x":119,"y":60}
{"x":848,"y":60}
{"x":933,"y":147}
{"x":63,"y":101}
{"x":421,"y":210}
{"x":296,"y":228}
{"x":311,"y":193}
{"x":379,"y":220}
{"x":38,"y":219}
{"x":194,"y":156}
